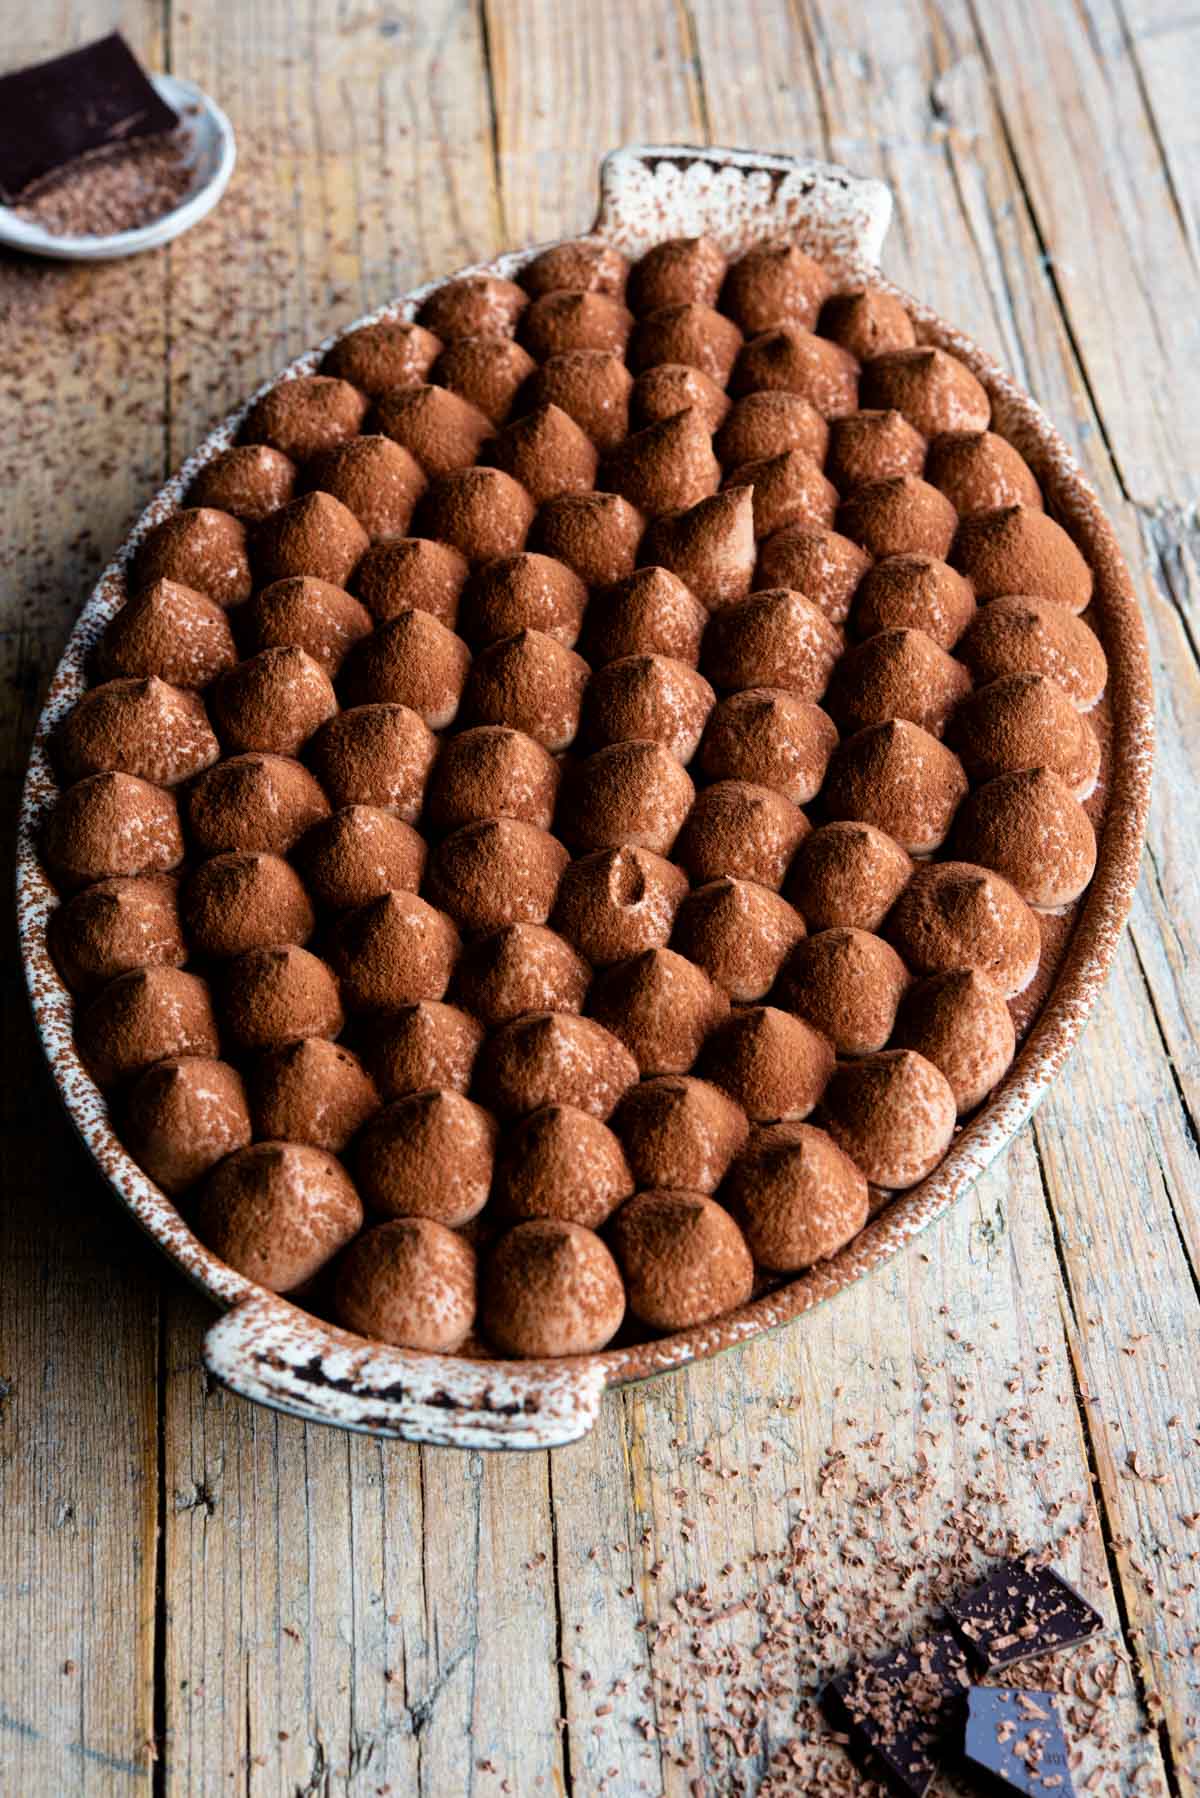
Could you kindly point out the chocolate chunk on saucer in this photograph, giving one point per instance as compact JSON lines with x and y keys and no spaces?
{"x":96,"y":98}
{"x":1023,"y":1610}
{"x":1013,"y":1742}
{"x":900,"y":1711}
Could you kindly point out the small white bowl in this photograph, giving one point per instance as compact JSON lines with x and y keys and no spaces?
{"x":211,"y":154}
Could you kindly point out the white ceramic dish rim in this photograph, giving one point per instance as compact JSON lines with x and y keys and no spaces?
{"x":212,"y":139}
{"x":268,"y":1349}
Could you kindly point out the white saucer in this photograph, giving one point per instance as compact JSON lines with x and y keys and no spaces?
{"x":211,"y":153}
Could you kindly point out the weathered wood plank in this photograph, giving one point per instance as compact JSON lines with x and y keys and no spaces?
{"x":78,"y":1475}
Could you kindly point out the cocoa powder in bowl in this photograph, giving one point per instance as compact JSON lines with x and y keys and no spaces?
{"x":199,"y":547}
{"x":323,"y":620}
{"x":797,"y":1196}
{"x":357,"y":854}
{"x":306,"y":414}
{"x":495,"y":872}
{"x":244,"y":900}
{"x":899,"y":778}
{"x":678,"y":1131}
{"x":262,"y":802}
{"x":649,"y":613}
{"x":547,"y":453}
{"x":442,"y":431}
{"x":274,"y":996}
{"x":555,"y":1058}
{"x":170,"y":631}
{"x":111,"y":824}
{"x":492,"y":771}
{"x":277,"y":1212}
{"x":412,"y":572}
{"x":272,"y":702}
{"x":893,"y":1114}
{"x":427,"y":1044}
{"x":767,"y":424}
{"x":847,"y":984}
{"x":525,"y":591}
{"x":872,"y":446}
{"x":390,"y":353}
{"x":772,"y":738}
{"x":428,"y":1155}
{"x":629,"y":793}
{"x":374,"y":478}
{"x":822,"y":565}
{"x":142,"y":1017}
{"x":1030,"y":828}
{"x":375,"y":755}
{"x":738,"y":829}
{"x":562,"y":1163}
{"x":648,"y":697}
{"x":618,"y":902}
{"x":412,"y":660}
{"x":315,"y":534}
{"x":251,"y":481}
{"x":530,"y":682}
{"x":914,"y":593}
{"x":114,"y":926}
{"x":960,"y":1022}
{"x":182,"y":1117}
{"x":770,"y":1063}
{"x":683,"y":1258}
{"x":957,"y":915}
{"x":410,"y":1282}
{"x":709,"y":547}
{"x":518,"y":969}
{"x":592,"y":387}
{"x":776,"y":638}
{"x":393,"y":951}
{"x":550,"y":1287}
{"x":740,"y":933}
{"x":661,"y":1006}
{"x":897,"y":674}
{"x":138,"y":726}
{"x":311,"y":1091}
{"x":849,"y":874}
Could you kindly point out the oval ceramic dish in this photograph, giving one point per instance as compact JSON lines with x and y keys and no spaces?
{"x":269,"y":1350}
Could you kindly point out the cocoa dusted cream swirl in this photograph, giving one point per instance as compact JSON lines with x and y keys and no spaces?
{"x":564,"y":819}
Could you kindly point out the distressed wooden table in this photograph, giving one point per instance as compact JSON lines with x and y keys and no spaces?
{"x":199,"y":1597}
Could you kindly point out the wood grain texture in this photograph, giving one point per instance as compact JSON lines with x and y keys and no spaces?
{"x":340,"y":1616}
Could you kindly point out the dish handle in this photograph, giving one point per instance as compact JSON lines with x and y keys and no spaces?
{"x":652,"y":191}
{"x":263,"y":1349}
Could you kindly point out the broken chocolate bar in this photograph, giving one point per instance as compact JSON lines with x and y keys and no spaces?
{"x":1013,"y":1742}
{"x":899,"y":1711}
{"x":92,"y":99}
{"x":1023,"y":1610}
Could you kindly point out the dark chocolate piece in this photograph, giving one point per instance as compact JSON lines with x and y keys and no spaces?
{"x":92,"y":99}
{"x":899,"y":1712}
{"x":1023,"y":1610}
{"x":1013,"y":1742}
